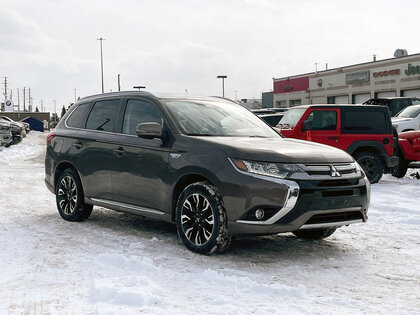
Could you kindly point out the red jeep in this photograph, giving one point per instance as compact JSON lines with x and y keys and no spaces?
{"x":408,"y":151}
{"x":365,"y":132}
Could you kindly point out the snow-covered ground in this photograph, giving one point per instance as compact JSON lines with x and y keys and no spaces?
{"x":115,"y":263}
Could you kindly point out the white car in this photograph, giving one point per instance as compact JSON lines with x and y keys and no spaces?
{"x":408,"y":119}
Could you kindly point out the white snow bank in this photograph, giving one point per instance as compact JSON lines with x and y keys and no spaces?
{"x":29,"y":147}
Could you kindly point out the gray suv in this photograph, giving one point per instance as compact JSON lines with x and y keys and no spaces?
{"x":207,"y":164}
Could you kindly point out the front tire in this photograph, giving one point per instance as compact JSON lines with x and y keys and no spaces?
{"x":314,"y":234}
{"x":371,"y":164}
{"x":201,"y":219}
{"x":70,"y":197}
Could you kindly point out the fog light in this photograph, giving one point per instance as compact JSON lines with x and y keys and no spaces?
{"x":259,"y":214}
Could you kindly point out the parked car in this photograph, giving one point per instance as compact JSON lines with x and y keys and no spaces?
{"x":18,"y":130}
{"x":27,"y":127}
{"x":207,"y":164}
{"x":408,"y":119}
{"x":271,"y":119}
{"x":394,"y":104}
{"x":5,"y":133}
{"x":365,"y":133}
{"x":408,"y":151}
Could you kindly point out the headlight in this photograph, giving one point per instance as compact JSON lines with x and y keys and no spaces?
{"x":267,"y":169}
{"x":359,"y":168}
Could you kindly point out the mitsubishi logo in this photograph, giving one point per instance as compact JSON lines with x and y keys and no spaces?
{"x":334,"y":172}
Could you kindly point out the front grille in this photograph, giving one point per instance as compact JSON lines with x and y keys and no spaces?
{"x":333,"y":170}
{"x":335,"y":217}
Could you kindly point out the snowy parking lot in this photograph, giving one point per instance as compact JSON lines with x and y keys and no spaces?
{"x":118,"y":263}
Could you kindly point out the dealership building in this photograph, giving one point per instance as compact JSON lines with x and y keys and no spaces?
{"x":398,"y":76}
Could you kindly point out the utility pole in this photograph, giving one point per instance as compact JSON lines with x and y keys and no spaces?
{"x":75,"y":95}
{"x":316,"y":67}
{"x":29,"y":100}
{"x":5,"y":90}
{"x":119,"y":83}
{"x":102,"y":63}
{"x":24,"y":99}
{"x":18,"y":100}
{"x":42,"y":106}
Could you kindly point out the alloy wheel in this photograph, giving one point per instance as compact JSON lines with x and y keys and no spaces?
{"x":67,"y":194}
{"x":197,"y":219}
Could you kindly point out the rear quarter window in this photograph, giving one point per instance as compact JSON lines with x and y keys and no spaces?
{"x":78,"y":116}
{"x":355,"y":121}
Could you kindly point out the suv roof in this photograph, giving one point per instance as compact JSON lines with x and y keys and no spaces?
{"x":358,"y":106}
{"x":153,"y":95}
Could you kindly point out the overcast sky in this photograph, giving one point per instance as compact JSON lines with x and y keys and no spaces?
{"x":170,"y":46}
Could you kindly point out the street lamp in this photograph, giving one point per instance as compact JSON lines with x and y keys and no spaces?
{"x":223,"y":77}
{"x":102,"y":63}
{"x":139,"y":87}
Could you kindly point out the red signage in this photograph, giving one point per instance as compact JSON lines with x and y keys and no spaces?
{"x":291,"y":85}
{"x":386,"y":73}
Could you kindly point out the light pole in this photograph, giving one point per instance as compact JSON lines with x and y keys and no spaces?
{"x":223,"y":77}
{"x":119,"y":84}
{"x":102,"y":63}
{"x":55,"y":111}
{"x":139,"y":87}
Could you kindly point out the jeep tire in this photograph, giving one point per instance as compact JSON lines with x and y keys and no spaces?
{"x":371,"y":164}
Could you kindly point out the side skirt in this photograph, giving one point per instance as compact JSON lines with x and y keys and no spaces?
{"x":128,"y":208}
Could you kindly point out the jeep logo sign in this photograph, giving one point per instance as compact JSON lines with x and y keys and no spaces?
{"x":412,"y":70}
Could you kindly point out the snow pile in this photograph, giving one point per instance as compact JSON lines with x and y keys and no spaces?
{"x":29,"y":147}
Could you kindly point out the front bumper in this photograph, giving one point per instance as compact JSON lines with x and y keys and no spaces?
{"x":5,"y":138}
{"x":319,"y":203}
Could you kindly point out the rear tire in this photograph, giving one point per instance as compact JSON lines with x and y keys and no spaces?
{"x":201,"y":219}
{"x":371,"y":164}
{"x":314,"y":234}
{"x":401,"y":169}
{"x":70,"y":197}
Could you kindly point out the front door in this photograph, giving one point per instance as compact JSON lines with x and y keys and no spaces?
{"x":323,"y":127}
{"x":140,"y":165}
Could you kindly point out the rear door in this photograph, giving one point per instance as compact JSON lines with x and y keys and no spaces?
{"x":94,"y":148}
{"x":323,"y":126}
{"x":140,"y":166}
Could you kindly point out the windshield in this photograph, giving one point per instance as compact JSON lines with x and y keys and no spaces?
{"x":410,"y":112}
{"x":217,"y":118}
{"x":291,"y":118}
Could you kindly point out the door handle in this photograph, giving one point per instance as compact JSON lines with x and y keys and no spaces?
{"x":333,"y":138}
{"x":78,"y":144}
{"x":119,"y":151}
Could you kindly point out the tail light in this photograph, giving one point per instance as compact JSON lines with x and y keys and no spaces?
{"x":50,"y":136}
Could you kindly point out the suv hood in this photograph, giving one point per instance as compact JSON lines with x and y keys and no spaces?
{"x":283,"y":150}
{"x":400,"y":119}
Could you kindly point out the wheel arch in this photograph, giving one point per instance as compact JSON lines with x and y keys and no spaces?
{"x":182,"y":182}
{"x":60,"y":168}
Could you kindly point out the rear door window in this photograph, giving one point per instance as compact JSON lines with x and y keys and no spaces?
{"x":137,"y":112}
{"x":78,"y":116}
{"x":365,"y":121}
{"x":103,"y":115}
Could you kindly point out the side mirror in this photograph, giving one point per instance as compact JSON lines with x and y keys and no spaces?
{"x":307,"y":125}
{"x":149,"y":130}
